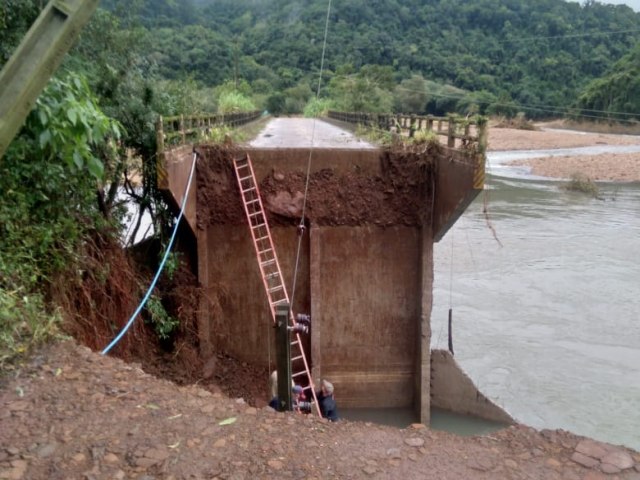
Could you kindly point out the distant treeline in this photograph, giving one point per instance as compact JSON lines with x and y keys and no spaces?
{"x":543,"y":57}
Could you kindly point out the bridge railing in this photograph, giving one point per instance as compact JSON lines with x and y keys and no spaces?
{"x":459,"y":132}
{"x":183,"y":129}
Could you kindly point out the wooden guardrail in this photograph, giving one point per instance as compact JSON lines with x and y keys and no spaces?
{"x":182,"y":129}
{"x":459,"y":132}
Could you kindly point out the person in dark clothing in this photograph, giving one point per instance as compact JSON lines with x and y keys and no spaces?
{"x":327,"y":402}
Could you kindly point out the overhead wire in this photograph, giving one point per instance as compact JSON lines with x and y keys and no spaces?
{"x":540,"y":107}
{"x":301,"y":227}
{"x":571,"y":35}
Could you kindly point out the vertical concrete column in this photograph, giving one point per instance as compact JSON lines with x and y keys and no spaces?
{"x":315,"y":242}
{"x":423,"y":352}
{"x":204,"y":307}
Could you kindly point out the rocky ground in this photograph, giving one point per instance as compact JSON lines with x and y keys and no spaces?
{"x":604,"y":167}
{"x":70,"y":413}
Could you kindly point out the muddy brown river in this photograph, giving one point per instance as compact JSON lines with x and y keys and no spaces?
{"x":548,"y":324}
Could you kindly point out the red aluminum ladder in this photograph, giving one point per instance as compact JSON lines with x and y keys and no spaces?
{"x":269,"y":266}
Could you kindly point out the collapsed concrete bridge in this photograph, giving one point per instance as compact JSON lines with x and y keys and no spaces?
{"x":366,"y":264}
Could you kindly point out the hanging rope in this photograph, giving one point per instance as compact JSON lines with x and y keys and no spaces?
{"x":302,"y":226}
{"x":162,"y":263}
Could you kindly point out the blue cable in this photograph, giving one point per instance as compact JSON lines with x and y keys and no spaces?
{"x":164,"y":260}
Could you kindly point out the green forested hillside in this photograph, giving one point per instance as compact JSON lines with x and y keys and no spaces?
{"x":618,"y":92}
{"x":527,"y":52}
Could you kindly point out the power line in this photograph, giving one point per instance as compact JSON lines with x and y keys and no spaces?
{"x":308,"y":176}
{"x":571,"y":35}
{"x":539,"y":107}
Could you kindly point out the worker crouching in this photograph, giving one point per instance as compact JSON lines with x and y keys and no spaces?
{"x":327,"y":401}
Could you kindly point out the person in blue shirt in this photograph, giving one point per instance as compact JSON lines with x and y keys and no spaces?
{"x":327,"y":401}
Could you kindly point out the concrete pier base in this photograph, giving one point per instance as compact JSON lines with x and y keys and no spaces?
{"x":365,"y":270}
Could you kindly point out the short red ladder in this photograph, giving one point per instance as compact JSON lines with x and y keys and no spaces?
{"x":269,"y":266}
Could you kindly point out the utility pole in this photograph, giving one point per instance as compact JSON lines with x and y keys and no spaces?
{"x":283,"y":357}
{"x":36,"y":59}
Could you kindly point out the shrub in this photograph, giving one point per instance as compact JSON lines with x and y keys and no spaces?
{"x":163,"y":323}
{"x":24,"y":323}
{"x":317,"y":108}
{"x":233,"y":102}
{"x":583,"y":184}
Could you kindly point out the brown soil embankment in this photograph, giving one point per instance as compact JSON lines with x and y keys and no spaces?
{"x":399,"y":194}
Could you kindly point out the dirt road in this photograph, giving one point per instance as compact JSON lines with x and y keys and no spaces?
{"x":299,"y":132}
{"x":72,"y":414}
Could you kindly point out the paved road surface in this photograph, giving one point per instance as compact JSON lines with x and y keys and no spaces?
{"x":297,"y":133}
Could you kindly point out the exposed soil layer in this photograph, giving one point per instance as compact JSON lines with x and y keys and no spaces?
{"x":398,"y":195}
{"x":70,"y":413}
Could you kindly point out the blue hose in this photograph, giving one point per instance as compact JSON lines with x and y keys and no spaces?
{"x":164,"y":260}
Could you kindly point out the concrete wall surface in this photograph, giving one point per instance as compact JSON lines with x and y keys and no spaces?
{"x":365,"y":307}
{"x":178,"y":165}
{"x":243,"y":325}
{"x":459,"y":179}
{"x":453,"y":390}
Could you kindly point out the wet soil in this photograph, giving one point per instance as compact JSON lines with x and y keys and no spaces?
{"x":71,"y":413}
{"x":399,"y":195}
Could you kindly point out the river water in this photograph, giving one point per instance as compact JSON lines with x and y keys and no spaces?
{"x":547,"y":322}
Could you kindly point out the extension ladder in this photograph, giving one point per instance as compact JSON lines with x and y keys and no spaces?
{"x":269,"y":266}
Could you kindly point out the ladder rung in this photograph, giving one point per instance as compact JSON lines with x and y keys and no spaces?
{"x":245,"y":178}
{"x":295,"y":342}
{"x":268,"y":262}
{"x":255,"y":214}
{"x":299,"y":357}
{"x":308,"y":387}
{"x":259,"y":225}
{"x":298,"y":374}
{"x":269,"y":276}
{"x":261,"y":238}
{"x":275,"y":289}
{"x":262,"y":252}
{"x":278,"y":302}
{"x":253,"y":201}
{"x":248,"y":189}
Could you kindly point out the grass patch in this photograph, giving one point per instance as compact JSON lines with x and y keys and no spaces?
{"x":375,"y":135}
{"x":25,"y":323}
{"x":249,"y":131}
{"x":425,"y":136}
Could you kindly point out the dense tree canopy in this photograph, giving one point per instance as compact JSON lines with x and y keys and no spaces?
{"x":618,"y":92}
{"x":538,"y":55}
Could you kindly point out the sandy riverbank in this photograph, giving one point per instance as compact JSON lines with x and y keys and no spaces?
{"x":604,"y":167}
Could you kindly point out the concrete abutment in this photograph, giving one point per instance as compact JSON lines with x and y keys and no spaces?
{"x":366,"y":265}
